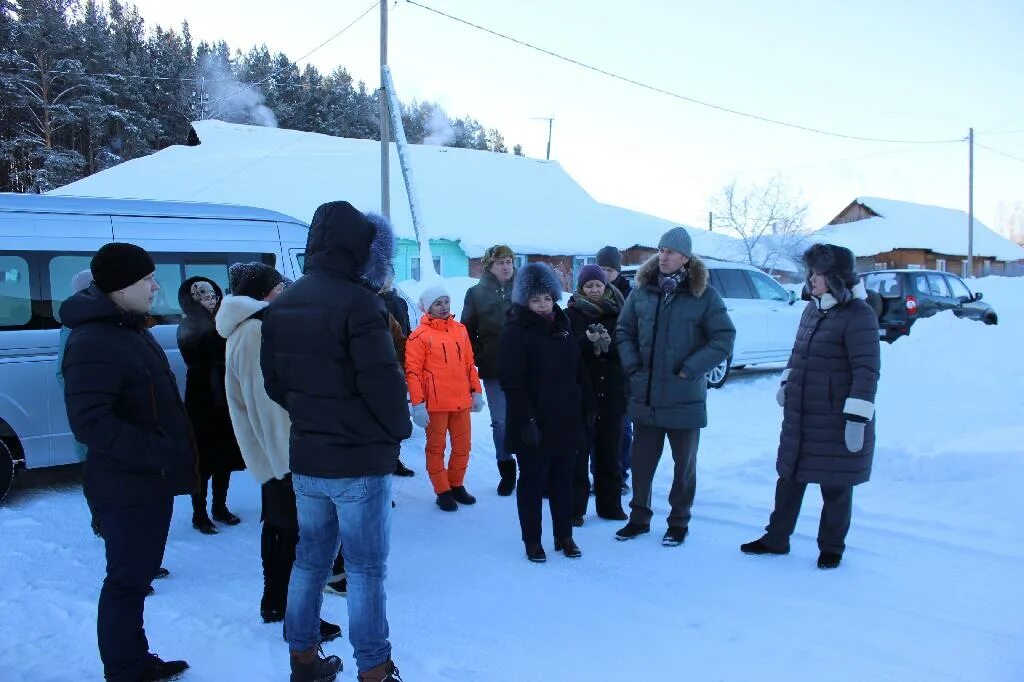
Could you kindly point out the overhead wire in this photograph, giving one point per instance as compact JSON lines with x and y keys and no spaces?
{"x":669,"y":93}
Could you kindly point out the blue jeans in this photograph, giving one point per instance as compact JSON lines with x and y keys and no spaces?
{"x":355,"y":513}
{"x":496,"y":405}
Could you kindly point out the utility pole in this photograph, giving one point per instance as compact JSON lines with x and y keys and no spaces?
{"x":385,"y":127}
{"x":550,"y":120}
{"x":970,"y":203}
{"x":711,"y":222}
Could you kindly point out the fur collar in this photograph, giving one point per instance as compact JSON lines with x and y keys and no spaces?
{"x":234,"y":310}
{"x":828,"y":301}
{"x":696,"y":282}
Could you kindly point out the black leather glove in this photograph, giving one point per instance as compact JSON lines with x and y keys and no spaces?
{"x":531,"y":434}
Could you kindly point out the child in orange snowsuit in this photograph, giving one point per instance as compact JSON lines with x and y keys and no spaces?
{"x":444,"y":388}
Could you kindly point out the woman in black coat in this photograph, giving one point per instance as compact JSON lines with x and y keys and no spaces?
{"x":828,"y":400}
{"x":548,"y":405}
{"x":593,"y":312}
{"x":203,"y":350}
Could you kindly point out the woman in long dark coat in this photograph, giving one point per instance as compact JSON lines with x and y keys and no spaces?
{"x":203,"y":351}
{"x":828,"y":400}
{"x":548,"y":405}
{"x":593,"y":312}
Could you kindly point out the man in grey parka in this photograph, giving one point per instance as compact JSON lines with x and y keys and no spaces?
{"x":672,"y":331}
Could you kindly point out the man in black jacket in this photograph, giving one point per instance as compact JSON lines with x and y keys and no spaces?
{"x":329,"y":360}
{"x":123,"y":405}
{"x":484,"y":313}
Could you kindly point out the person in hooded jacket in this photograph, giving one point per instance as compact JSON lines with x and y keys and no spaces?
{"x":443,"y":388}
{"x":672,"y":331}
{"x":549,"y":406}
{"x":484,"y":312}
{"x":593,"y":312}
{"x":202,"y":350}
{"x":329,"y":360}
{"x":609,"y":259}
{"x":261,"y":428}
{"x":828,"y":400}
{"x":123,"y":405}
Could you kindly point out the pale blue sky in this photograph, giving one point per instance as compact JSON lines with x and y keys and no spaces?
{"x":899,"y":69}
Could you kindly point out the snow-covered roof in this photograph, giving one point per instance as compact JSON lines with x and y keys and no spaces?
{"x":478,"y":198}
{"x":905,"y":225}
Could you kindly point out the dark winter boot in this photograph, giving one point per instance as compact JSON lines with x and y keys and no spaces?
{"x":462,"y":495}
{"x":827,"y":560}
{"x":222,"y":515}
{"x":675,"y":536}
{"x":310,"y":666}
{"x":338,"y":584}
{"x":158,"y":670}
{"x":161,"y":573}
{"x":385,"y":672}
{"x":758,"y":547}
{"x":507,"y":469}
{"x":535,"y":553}
{"x":631,"y":530}
{"x":329,"y":631}
{"x":576,"y":521}
{"x":203,"y":524}
{"x":446,"y":501}
{"x":402,"y":470}
{"x":569,"y":547}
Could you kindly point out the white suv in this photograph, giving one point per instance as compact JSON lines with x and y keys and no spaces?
{"x":765,"y":314}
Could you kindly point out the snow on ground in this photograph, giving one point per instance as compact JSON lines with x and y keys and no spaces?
{"x":929,"y":588}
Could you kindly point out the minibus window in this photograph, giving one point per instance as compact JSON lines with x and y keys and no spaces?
{"x":62,"y":270}
{"x":15,"y":294}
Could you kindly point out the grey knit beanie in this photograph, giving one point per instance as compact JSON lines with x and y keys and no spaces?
{"x":677,"y":239}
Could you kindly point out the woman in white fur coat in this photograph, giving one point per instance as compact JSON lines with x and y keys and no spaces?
{"x":262,"y":430}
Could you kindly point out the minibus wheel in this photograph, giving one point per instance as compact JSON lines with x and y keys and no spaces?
{"x":7,"y":465}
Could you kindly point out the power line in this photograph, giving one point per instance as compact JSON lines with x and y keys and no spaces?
{"x":285,"y":68}
{"x":996,"y":151}
{"x":118,"y":75}
{"x":669,"y":93}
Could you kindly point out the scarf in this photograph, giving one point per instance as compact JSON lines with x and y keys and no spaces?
{"x":610,"y":304}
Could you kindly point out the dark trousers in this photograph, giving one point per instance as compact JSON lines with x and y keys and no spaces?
{"x":648,"y":442}
{"x":835,"y":515}
{"x":221,"y":480}
{"x":540,"y":472}
{"x":606,"y":467}
{"x":278,"y":539}
{"x":135,"y":537}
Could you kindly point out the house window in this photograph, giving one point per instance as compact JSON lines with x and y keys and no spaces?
{"x":963,"y":269}
{"x":986,"y":268}
{"x":414,"y":267}
{"x":940,"y":264}
{"x":519,"y":261}
{"x":914,"y":266}
{"x":881,"y":266}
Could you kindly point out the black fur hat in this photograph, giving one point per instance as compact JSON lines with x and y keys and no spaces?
{"x":534,"y":279}
{"x":838,"y":265}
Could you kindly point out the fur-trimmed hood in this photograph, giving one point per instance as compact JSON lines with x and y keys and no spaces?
{"x":234,"y":310}
{"x":696,"y":281}
{"x":534,"y":279}
{"x":347,"y":242}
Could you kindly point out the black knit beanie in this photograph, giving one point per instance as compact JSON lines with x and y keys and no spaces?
{"x":255,"y":280}
{"x":118,"y":265}
{"x":609,"y":257}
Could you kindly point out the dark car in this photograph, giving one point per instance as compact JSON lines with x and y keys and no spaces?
{"x":904,"y":296}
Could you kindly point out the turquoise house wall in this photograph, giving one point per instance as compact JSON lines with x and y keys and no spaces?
{"x":453,"y":260}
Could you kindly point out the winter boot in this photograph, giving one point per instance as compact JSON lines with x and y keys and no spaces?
{"x":338,"y":584}
{"x":569,"y":547}
{"x":161,"y":573}
{"x":203,"y":524}
{"x":158,"y":670}
{"x":535,"y":553}
{"x":402,"y":470}
{"x":221,"y":514}
{"x":310,"y":666}
{"x":827,"y":560}
{"x":613,"y":514}
{"x":446,"y":501}
{"x":507,"y":469}
{"x":462,"y":495}
{"x":631,"y":530}
{"x":758,"y":547}
{"x":329,"y":631}
{"x":385,"y":672}
{"x":674,"y":536}
{"x":576,"y":521}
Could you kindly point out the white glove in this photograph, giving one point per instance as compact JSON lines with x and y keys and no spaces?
{"x":478,"y":403}
{"x":419,"y":415}
{"x":854,"y":436}
{"x":780,"y":395}
{"x":593,"y":337}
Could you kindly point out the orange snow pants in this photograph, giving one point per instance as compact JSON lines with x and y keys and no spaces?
{"x":438,"y":428}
